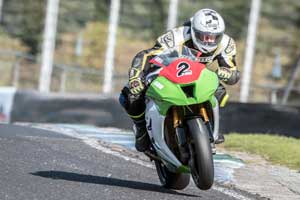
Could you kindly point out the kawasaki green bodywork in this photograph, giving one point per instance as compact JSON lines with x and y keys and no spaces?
{"x":166,"y":93}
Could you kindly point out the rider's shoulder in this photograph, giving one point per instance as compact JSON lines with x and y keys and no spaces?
{"x":227,"y":45}
{"x":176,"y":36}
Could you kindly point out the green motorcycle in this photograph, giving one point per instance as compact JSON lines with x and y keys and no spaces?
{"x":182,"y":116}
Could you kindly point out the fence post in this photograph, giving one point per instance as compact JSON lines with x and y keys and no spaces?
{"x":274,"y":96}
{"x":1,"y":7}
{"x":250,"y":49}
{"x":291,"y":82}
{"x":111,"y":42}
{"x":172,"y":17}
{"x":16,"y":73}
{"x":63,"y":78}
{"x":48,"y":45}
{"x":78,"y":81}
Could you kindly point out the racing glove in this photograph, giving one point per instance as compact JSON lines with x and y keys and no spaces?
{"x":224,"y":74}
{"x":229,"y":76}
{"x":136,"y":85}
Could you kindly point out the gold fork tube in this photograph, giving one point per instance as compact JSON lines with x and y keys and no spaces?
{"x":204,"y":114}
{"x":176,"y":120}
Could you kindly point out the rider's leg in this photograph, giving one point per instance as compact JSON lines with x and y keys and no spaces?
{"x":135,"y":108}
{"x":222,"y":98}
{"x":221,"y":95}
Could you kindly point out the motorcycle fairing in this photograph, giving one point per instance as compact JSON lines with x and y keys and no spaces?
{"x":181,"y":71}
{"x":166,"y":93}
{"x":155,"y":128}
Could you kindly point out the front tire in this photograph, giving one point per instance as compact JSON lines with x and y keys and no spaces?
{"x":170,"y":180}
{"x":201,"y":163}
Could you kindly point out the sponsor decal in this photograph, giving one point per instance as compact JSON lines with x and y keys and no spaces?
{"x":168,"y":39}
{"x":158,"y":85}
{"x":206,"y":59}
{"x":158,"y":59}
{"x":137,"y":62}
{"x":230,"y":47}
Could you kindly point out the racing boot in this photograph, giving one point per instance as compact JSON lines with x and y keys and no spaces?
{"x":142,"y":140}
{"x":220,"y":139}
{"x":222,"y":97}
{"x":135,"y":107}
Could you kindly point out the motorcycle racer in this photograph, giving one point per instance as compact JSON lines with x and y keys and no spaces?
{"x":203,"y":32}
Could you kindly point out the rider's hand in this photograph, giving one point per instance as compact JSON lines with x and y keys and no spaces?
{"x":136,"y":85}
{"x":224,"y":74}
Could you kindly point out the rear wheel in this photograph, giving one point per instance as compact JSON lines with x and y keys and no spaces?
{"x":201,"y":164}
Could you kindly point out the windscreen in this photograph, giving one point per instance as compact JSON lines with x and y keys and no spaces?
{"x":169,"y":55}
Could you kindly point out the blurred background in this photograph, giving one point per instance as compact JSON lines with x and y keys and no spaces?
{"x":81,"y":42}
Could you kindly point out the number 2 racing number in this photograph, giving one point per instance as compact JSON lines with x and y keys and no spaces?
{"x":183,"y":69}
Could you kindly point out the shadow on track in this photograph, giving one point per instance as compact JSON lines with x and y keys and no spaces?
{"x":69,"y":176}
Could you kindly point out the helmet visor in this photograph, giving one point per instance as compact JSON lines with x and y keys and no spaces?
{"x":208,"y":39}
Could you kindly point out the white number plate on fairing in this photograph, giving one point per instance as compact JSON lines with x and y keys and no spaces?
{"x":158,"y":85}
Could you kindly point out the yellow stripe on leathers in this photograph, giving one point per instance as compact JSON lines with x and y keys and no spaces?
{"x":136,"y":116}
{"x":224,"y":100}
{"x":155,"y":52}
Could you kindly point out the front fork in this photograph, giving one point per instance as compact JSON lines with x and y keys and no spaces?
{"x":203,"y":113}
{"x":196,"y":110}
{"x":180,"y":135}
{"x":178,"y":116}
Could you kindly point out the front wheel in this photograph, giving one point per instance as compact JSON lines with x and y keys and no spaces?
{"x":201,"y":163}
{"x":170,"y":180}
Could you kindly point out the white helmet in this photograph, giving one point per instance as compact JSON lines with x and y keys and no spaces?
{"x":207,"y":30}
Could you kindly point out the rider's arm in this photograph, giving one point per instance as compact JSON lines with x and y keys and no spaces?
{"x":140,"y":65}
{"x":140,"y":62}
{"x":170,"y":39}
{"x":228,"y":71}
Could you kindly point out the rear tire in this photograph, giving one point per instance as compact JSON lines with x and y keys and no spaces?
{"x":202,"y":166}
{"x":170,"y":180}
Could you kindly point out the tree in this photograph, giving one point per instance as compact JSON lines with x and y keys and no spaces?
{"x":24,"y":20}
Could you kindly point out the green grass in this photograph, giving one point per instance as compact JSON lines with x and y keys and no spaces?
{"x":276,"y":149}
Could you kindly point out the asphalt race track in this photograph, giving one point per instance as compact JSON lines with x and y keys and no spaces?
{"x":40,"y":164}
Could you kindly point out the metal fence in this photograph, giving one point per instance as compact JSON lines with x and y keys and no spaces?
{"x":22,"y":71}
{"x":82,"y":38}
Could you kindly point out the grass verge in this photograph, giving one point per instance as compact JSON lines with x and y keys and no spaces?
{"x":276,"y":149}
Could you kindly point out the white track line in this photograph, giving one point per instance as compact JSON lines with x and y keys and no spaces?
{"x":230,"y":193}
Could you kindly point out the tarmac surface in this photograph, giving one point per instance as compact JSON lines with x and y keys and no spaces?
{"x":41,"y":164}
{"x":58,"y":161}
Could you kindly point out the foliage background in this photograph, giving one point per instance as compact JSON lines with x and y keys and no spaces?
{"x":84,"y":23}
